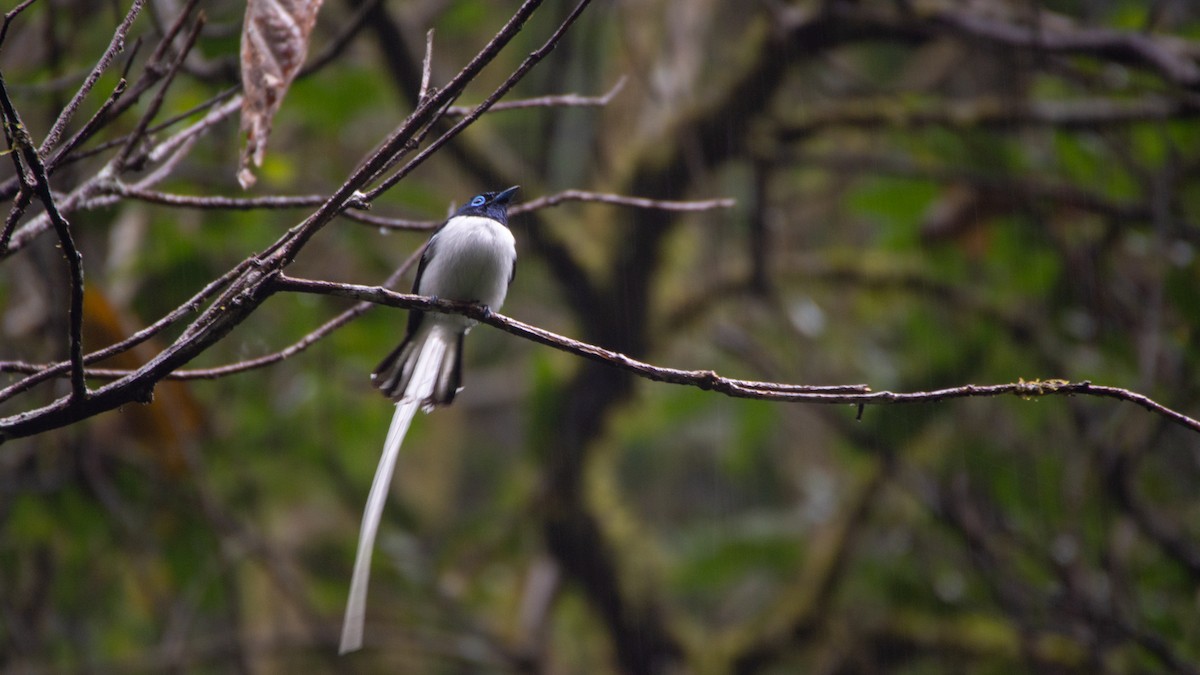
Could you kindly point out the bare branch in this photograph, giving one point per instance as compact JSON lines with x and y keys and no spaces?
{"x":93,"y":123}
{"x":24,"y":196}
{"x":20,"y":142}
{"x":621,"y":200}
{"x":139,"y":131}
{"x":12,"y":14}
{"x":555,"y":101}
{"x":167,"y":123}
{"x":387,"y":223}
{"x":218,"y":202}
{"x":114,"y":47}
{"x":427,"y":66}
{"x":710,"y":380}
{"x":200,"y":127}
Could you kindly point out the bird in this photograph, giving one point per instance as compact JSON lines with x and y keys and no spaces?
{"x":472,"y":257}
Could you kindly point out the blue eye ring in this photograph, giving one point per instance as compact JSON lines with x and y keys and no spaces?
{"x":478,"y":200}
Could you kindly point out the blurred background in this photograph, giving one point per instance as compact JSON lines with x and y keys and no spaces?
{"x":928,"y":194}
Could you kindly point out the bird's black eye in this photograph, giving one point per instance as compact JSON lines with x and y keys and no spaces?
{"x":478,"y":200}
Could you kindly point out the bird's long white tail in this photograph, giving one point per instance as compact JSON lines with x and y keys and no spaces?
{"x":429,"y":358}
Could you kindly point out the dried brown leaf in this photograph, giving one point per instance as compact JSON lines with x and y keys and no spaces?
{"x":274,"y":46}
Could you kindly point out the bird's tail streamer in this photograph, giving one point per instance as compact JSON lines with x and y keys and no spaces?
{"x":425,"y":374}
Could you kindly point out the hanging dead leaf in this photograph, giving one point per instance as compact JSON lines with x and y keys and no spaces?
{"x":274,"y":45}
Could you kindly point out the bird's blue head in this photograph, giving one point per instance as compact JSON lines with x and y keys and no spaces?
{"x":492,"y":205}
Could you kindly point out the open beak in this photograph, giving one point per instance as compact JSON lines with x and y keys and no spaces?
{"x":507,"y":195}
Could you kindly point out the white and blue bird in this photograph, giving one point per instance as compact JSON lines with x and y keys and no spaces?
{"x":472,"y":257}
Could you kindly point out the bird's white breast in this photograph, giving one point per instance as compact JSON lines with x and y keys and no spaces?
{"x":471,"y":260}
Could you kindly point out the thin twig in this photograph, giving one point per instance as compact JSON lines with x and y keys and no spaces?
{"x":426,"y":66}
{"x":139,"y":131}
{"x":198,"y":128}
{"x":386,"y":223}
{"x":92,"y":125}
{"x":218,"y":202}
{"x":24,"y":197}
{"x":164,"y":170}
{"x":621,"y":200}
{"x":552,"y":101}
{"x":160,"y":52}
{"x":114,"y":47}
{"x":12,"y":14}
{"x":224,"y":96}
